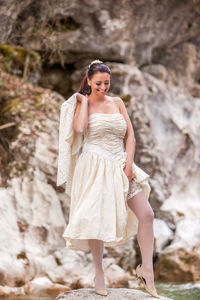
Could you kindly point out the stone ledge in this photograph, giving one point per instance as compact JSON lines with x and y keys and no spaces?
{"x":113,"y":294}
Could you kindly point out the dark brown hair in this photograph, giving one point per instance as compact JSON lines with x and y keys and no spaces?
{"x":92,"y":69}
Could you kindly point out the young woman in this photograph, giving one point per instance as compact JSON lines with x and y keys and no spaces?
{"x":109,"y":193}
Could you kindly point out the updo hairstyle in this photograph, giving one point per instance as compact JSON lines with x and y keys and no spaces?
{"x":93,"y":68}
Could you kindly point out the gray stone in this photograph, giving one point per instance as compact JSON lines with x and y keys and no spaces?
{"x":113,"y":294}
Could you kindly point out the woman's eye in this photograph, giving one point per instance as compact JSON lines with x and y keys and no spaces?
{"x":107,"y":83}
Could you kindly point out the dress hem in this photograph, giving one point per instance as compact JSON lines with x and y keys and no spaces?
{"x":109,"y":244}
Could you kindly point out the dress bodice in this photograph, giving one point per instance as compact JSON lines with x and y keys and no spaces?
{"x":106,"y":131}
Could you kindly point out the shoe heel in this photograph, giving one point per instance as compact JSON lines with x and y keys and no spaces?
{"x":152,"y":292}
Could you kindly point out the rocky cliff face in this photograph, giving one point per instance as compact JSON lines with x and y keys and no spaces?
{"x":162,"y":34}
{"x":153,"y":51}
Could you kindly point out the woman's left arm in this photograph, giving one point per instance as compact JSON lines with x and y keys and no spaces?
{"x":130,"y":141}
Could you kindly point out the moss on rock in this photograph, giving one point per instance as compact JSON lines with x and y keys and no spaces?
{"x":23,"y":111}
{"x":16,"y":59}
{"x":126,"y":98}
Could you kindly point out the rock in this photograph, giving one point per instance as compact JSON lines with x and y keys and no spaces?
{"x":124,"y":255}
{"x":159,"y":71}
{"x":63,"y":29}
{"x":57,"y":32}
{"x":11,"y":291}
{"x":184,"y":200}
{"x":31,"y":212}
{"x":180,"y":261}
{"x":20,"y":61}
{"x":115,"y":294}
{"x":116,"y":276}
{"x":53,"y":78}
{"x":162,"y":233}
{"x":43,"y":286}
{"x":184,"y":66}
{"x":9,"y":14}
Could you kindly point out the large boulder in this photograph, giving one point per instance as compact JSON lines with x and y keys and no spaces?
{"x":180,"y":261}
{"x":113,"y":294}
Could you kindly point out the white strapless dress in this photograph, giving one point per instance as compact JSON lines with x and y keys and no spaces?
{"x":100,"y":188}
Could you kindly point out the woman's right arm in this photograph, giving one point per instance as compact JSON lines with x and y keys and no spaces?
{"x":80,"y":121}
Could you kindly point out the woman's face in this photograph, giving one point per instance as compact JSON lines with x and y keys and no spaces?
{"x":100,"y":83}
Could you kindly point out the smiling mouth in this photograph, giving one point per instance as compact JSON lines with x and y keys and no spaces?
{"x":101,"y":91}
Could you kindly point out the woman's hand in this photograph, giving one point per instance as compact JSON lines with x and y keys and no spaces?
{"x":128,"y":170}
{"x":80,"y":120}
{"x":81,"y":98}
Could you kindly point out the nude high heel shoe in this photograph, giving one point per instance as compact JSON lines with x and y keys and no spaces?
{"x":151,"y":291}
{"x":102,"y":292}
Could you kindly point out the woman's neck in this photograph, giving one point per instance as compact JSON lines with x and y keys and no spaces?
{"x":96,"y":98}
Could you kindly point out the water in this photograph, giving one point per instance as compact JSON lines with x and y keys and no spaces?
{"x":185,"y":291}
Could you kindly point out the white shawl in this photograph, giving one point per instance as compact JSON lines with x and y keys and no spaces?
{"x":70,"y":143}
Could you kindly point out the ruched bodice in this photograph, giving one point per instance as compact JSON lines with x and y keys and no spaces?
{"x":100,"y":187}
{"x":105,"y":136}
{"x":106,"y":130}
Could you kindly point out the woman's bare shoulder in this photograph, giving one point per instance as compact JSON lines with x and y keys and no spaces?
{"x":117,"y":101}
{"x":114,"y":98}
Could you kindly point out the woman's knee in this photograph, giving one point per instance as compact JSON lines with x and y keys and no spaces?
{"x":148,"y":216}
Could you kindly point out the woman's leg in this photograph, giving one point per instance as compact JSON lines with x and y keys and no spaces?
{"x":96,"y":247}
{"x":145,"y":236}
